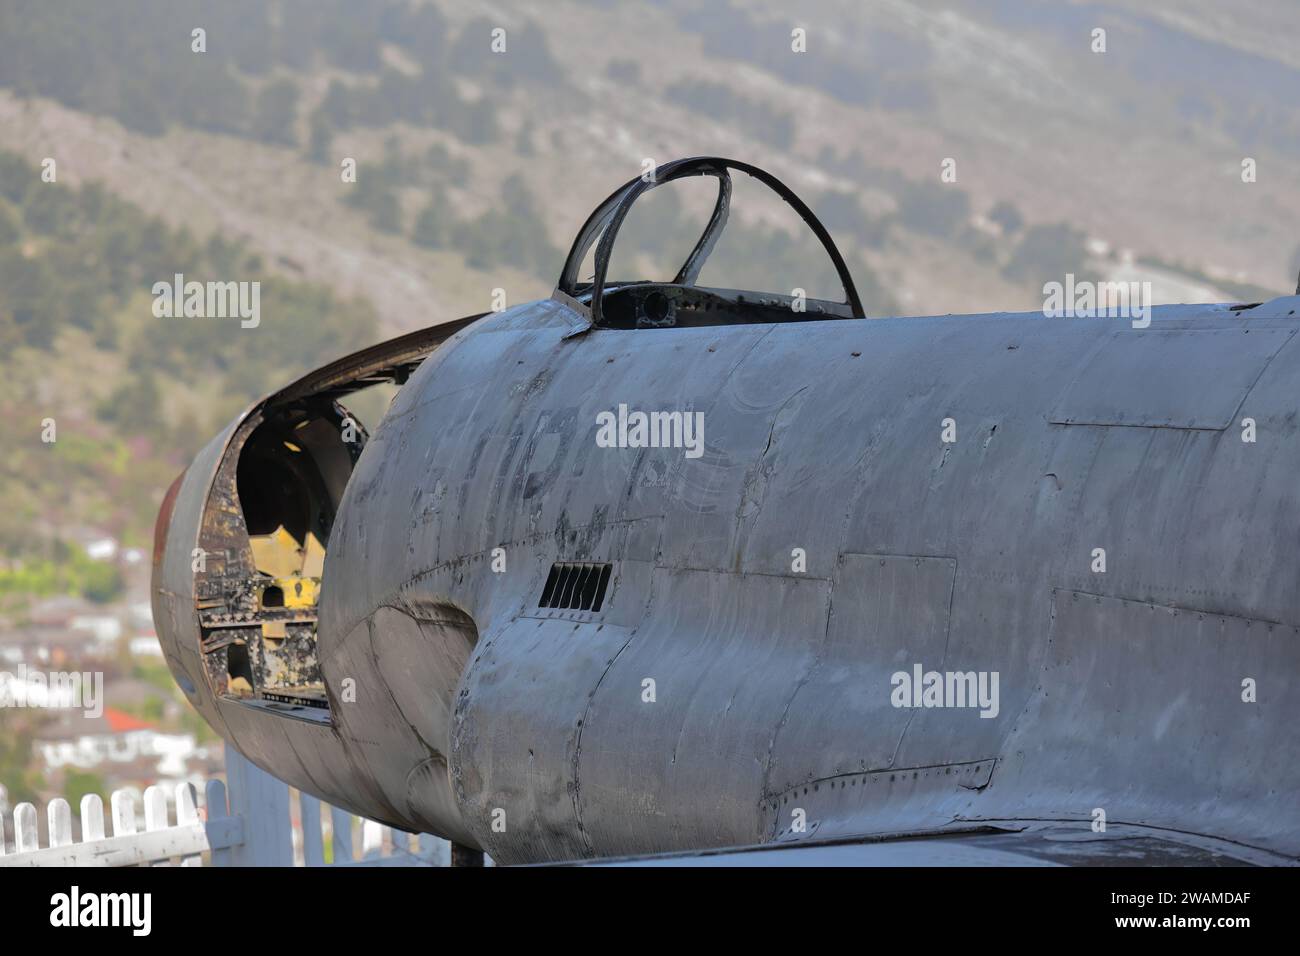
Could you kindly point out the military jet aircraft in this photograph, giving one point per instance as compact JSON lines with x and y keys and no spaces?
{"x":656,"y":568}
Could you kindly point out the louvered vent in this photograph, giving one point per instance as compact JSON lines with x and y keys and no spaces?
{"x":576,"y":586}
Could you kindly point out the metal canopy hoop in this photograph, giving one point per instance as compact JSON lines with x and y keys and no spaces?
{"x":605,"y":222}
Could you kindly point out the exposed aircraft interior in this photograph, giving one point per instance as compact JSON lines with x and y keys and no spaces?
{"x":266,"y":527}
{"x":272,"y":506}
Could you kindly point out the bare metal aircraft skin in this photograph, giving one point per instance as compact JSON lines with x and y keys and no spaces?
{"x":1027,"y":585}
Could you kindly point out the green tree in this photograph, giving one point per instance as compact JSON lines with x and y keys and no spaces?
{"x":337,"y":107}
{"x":320,"y":137}
{"x":933,"y":208}
{"x":16,"y":757}
{"x":80,"y":783}
{"x":16,"y":177}
{"x":431,"y":225}
{"x":26,"y":294}
{"x":1007,"y":216}
{"x":135,"y":406}
{"x":373,"y":195}
{"x":276,"y":112}
{"x":10,"y":230}
{"x":1047,"y":253}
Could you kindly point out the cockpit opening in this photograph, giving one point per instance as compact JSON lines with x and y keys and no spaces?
{"x":266,"y":524}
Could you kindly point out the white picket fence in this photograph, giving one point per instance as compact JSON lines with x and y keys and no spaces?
{"x":247,"y":824}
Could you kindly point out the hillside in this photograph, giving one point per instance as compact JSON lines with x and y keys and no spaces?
{"x":475,"y":168}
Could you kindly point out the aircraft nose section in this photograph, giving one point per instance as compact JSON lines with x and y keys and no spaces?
{"x":164,"y":520}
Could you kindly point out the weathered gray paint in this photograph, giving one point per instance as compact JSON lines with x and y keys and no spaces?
{"x":1119,"y":691}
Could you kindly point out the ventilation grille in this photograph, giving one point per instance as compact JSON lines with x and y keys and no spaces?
{"x":576,"y":586}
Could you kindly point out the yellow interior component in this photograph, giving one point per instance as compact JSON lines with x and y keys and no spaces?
{"x":276,"y":554}
{"x":313,"y":562}
{"x":274,"y":630}
{"x":298,"y":592}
